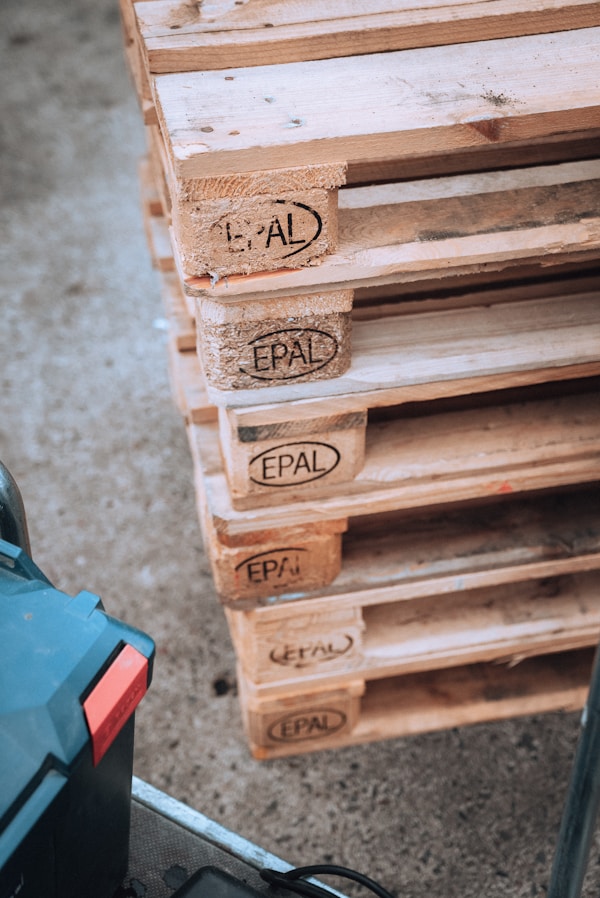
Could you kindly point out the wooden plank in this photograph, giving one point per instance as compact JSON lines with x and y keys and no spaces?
{"x":251,"y":345}
{"x":311,"y":649}
{"x":407,"y":264}
{"x":438,"y":295}
{"x":372,"y":304}
{"x":305,"y":454}
{"x":371,"y":343}
{"x":220,"y":123}
{"x":156,"y":225}
{"x":152,"y":203}
{"x":184,"y":337}
{"x":177,"y":37}
{"x":159,"y":243}
{"x":425,"y":355}
{"x":561,"y":148}
{"x":188,"y":390}
{"x":133,"y":52}
{"x":413,"y":554}
{"x":420,"y":461}
{"x":404,"y":233}
{"x":156,"y":169}
{"x":415,"y":703}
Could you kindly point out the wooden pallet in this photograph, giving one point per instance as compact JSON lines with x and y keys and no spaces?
{"x":378,"y":245}
{"x":427,"y":589}
{"x":272,"y":547}
{"x":168,"y":36}
{"x":231,"y":216}
{"x":400,"y":588}
{"x":367,"y":711}
{"x":305,"y":445}
{"x":309,"y":458}
{"x":395,"y":334}
{"x":171,"y":37}
{"x":276,"y":342}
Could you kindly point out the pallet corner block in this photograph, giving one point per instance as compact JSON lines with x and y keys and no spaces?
{"x":269,"y":342}
{"x":296,"y":720}
{"x":243,"y":223}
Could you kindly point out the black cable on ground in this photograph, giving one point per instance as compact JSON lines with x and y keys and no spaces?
{"x":293,"y":880}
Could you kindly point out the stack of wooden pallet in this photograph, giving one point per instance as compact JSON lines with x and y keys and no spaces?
{"x":379,"y":238}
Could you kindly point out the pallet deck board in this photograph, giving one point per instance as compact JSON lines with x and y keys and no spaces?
{"x":416,"y":703}
{"x":219,"y":123}
{"x":424,"y":461}
{"x":503,"y":623}
{"x":176,"y":37}
{"x":379,"y":245}
{"x":390,"y":558}
{"x":397,"y":358}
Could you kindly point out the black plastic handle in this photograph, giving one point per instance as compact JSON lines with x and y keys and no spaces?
{"x":13,"y":523}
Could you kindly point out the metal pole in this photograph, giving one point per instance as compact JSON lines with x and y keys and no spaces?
{"x":583,"y":799}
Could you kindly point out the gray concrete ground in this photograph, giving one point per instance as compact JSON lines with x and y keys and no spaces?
{"x":89,"y":429}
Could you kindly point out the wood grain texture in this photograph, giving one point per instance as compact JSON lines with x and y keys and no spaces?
{"x":429,"y":101}
{"x":421,"y":355}
{"x":174,"y":36}
{"x":418,"y":462}
{"x":448,"y":227}
{"x":498,"y":623}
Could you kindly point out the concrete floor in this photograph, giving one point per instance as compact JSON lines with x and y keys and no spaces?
{"x":89,"y":430}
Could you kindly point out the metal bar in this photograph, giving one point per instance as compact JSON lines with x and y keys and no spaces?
{"x":582,"y":802}
{"x":211,"y":831}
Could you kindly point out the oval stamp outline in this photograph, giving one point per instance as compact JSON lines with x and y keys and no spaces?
{"x":245,"y":241}
{"x":273,"y":449}
{"x":331,"y":731}
{"x":313,"y":662}
{"x":267,"y":554}
{"x":294,"y":330}
{"x":314,"y":213}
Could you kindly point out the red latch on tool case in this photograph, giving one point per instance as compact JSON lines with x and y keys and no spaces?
{"x":114,"y":698}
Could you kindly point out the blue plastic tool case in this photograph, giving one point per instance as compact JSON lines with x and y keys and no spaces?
{"x":71,"y":677}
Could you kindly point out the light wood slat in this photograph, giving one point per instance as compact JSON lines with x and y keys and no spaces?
{"x":409,"y":263}
{"x":442,"y":227}
{"x":184,"y":337}
{"x":431,"y":100}
{"x":177,"y":37}
{"x":425,"y":461}
{"x":187,"y":386}
{"x":419,"y":553}
{"x":398,"y":359}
